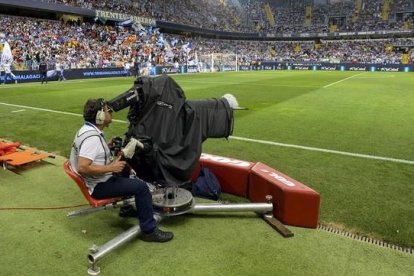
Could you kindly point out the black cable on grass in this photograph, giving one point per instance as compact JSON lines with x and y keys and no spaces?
{"x":41,"y":208}
{"x":365,"y":239}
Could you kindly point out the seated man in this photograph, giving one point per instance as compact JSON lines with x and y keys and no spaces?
{"x":91,"y":159}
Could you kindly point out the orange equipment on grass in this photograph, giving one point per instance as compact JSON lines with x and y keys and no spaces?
{"x":12,"y":155}
{"x":7,"y":148}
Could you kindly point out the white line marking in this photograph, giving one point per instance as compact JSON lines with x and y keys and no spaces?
{"x":353,"y":76}
{"x":410,"y":162}
{"x":367,"y":156}
{"x":20,"y":110}
{"x":52,"y":111}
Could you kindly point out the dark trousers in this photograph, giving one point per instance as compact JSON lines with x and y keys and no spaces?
{"x":59,"y":75}
{"x":122,"y":187}
{"x":43,"y":77}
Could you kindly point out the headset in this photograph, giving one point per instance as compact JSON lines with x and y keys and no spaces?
{"x":100,"y":115}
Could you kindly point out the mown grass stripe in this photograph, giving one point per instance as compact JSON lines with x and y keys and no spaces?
{"x":52,"y":111}
{"x":367,"y":156}
{"x":353,"y":76}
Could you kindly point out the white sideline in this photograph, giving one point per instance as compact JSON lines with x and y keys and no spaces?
{"x":367,"y":156}
{"x":52,"y":111}
{"x":410,"y":162}
{"x":326,"y":86}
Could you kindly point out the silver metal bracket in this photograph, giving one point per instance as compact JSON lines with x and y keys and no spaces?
{"x":173,"y":201}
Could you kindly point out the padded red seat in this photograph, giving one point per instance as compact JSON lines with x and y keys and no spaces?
{"x":84,"y":189}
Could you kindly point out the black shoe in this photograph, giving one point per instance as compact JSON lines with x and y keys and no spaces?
{"x":157,"y":236}
{"x":128,"y":211}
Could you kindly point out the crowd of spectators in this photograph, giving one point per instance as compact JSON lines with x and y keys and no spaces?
{"x":208,"y":14}
{"x":83,"y":45}
{"x":93,"y":45}
{"x":250,"y":16}
{"x":345,"y":16}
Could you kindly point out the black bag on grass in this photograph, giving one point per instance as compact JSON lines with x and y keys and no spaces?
{"x":206,"y":185}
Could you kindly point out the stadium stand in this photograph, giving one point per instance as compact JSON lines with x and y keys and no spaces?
{"x":95,"y":43}
{"x":250,"y":16}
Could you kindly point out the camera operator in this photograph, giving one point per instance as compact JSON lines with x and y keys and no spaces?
{"x":92,"y":159}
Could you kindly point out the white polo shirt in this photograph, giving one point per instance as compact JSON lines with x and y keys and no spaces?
{"x":89,"y":143}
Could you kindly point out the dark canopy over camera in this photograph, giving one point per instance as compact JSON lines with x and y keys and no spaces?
{"x":171,"y":128}
{"x":126,"y":99}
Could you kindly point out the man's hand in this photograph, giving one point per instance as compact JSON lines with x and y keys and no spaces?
{"x":117,"y":165}
{"x":86,"y":167}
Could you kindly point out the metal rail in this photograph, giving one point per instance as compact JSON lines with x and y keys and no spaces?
{"x":96,"y":253}
{"x":239,"y":207}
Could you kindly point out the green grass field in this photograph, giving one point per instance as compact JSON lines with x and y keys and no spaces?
{"x":347,"y":135}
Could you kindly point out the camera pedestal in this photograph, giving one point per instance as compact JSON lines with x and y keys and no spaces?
{"x":173,"y":201}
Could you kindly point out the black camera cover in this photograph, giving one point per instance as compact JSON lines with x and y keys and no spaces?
{"x":173,"y":129}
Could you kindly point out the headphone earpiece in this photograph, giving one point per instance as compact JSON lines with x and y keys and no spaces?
{"x":100,"y":115}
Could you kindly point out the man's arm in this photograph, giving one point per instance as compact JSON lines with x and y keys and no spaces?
{"x":86,"y":167}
